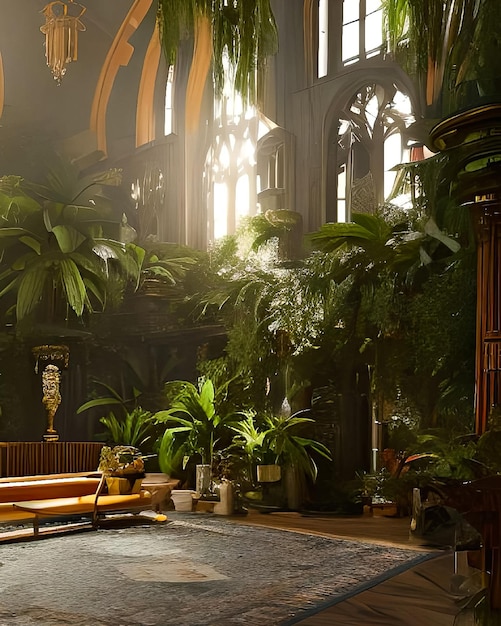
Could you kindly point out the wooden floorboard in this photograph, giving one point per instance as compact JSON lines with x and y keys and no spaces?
{"x":378,"y":529}
{"x":422,"y":596}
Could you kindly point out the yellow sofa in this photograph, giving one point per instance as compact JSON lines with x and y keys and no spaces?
{"x":60,"y":495}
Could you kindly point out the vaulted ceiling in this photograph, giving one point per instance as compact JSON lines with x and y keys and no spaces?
{"x":95,"y":106}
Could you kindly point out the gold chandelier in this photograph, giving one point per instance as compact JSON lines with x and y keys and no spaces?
{"x":62,"y":24}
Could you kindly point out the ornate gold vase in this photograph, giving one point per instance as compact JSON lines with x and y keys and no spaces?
{"x":51,"y":379}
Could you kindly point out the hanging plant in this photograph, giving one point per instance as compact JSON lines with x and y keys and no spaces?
{"x":450,"y":48}
{"x":242,"y":31}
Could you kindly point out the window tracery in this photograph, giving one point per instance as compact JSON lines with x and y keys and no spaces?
{"x":230,"y":166}
{"x":367,"y":141}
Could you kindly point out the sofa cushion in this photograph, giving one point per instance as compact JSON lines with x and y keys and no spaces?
{"x":47,"y":488}
{"x":85,"y":504}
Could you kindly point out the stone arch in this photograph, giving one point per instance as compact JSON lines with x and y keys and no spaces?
{"x":349,"y":86}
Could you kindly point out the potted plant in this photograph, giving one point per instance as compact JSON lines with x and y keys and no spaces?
{"x":295,"y":453}
{"x":248,"y":442}
{"x":193,"y":428}
{"x":131,"y":426}
{"x":279,"y":451}
{"x":123,"y":467}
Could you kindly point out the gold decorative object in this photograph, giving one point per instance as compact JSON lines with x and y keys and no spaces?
{"x":269,"y":473}
{"x":62,"y":24}
{"x":123,"y":467}
{"x":51,"y":378}
{"x":51,"y":398}
{"x":51,"y":353}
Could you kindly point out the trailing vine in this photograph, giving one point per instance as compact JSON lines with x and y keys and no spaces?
{"x":243,"y":31}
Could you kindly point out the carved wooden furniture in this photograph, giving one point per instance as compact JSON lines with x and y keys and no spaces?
{"x":31,"y":458}
{"x":488,"y":366}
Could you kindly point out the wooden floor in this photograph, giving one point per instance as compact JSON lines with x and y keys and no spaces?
{"x":426,"y":595}
{"x":379,"y":529}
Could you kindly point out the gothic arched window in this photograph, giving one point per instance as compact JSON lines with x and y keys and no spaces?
{"x":230,"y":165}
{"x":323,"y":38}
{"x":368,"y":139}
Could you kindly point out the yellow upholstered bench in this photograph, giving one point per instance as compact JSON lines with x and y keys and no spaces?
{"x":33,"y":498}
{"x":41,"y":487}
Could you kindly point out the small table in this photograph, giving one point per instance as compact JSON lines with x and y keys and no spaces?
{"x":160,"y":486}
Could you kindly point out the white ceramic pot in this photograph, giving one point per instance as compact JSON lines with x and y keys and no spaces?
{"x":182,"y":499}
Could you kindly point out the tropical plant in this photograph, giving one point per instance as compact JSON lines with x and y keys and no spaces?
{"x":284,"y":440}
{"x":114,"y":398}
{"x":193,"y":426}
{"x":449,"y":48}
{"x":278,"y":440}
{"x":135,"y":429}
{"x":450,"y":457}
{"x":248,"y":443}
{"x":433,"y":459}
{"x":121,"y":460}
{"x":402,"y":247}
{"x":280,"y":224}
{"x":53,"y":246}
{"x":166,"y":262}
{"x":249,"y":437}
{"x":364,"y":303}
{"x":273,"y":317}
{"x":132,"y":426}
{"x":395,"y":277}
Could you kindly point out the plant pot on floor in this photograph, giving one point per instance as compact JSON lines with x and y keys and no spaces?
{"x":294,"y":487}
{"x":182,"y":499}
{"x":203,"y":479}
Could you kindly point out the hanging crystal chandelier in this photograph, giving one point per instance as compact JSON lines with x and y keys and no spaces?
{"x":62,"y":24}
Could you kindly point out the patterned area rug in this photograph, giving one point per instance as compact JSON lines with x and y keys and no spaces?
{"x":195,"y":570}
